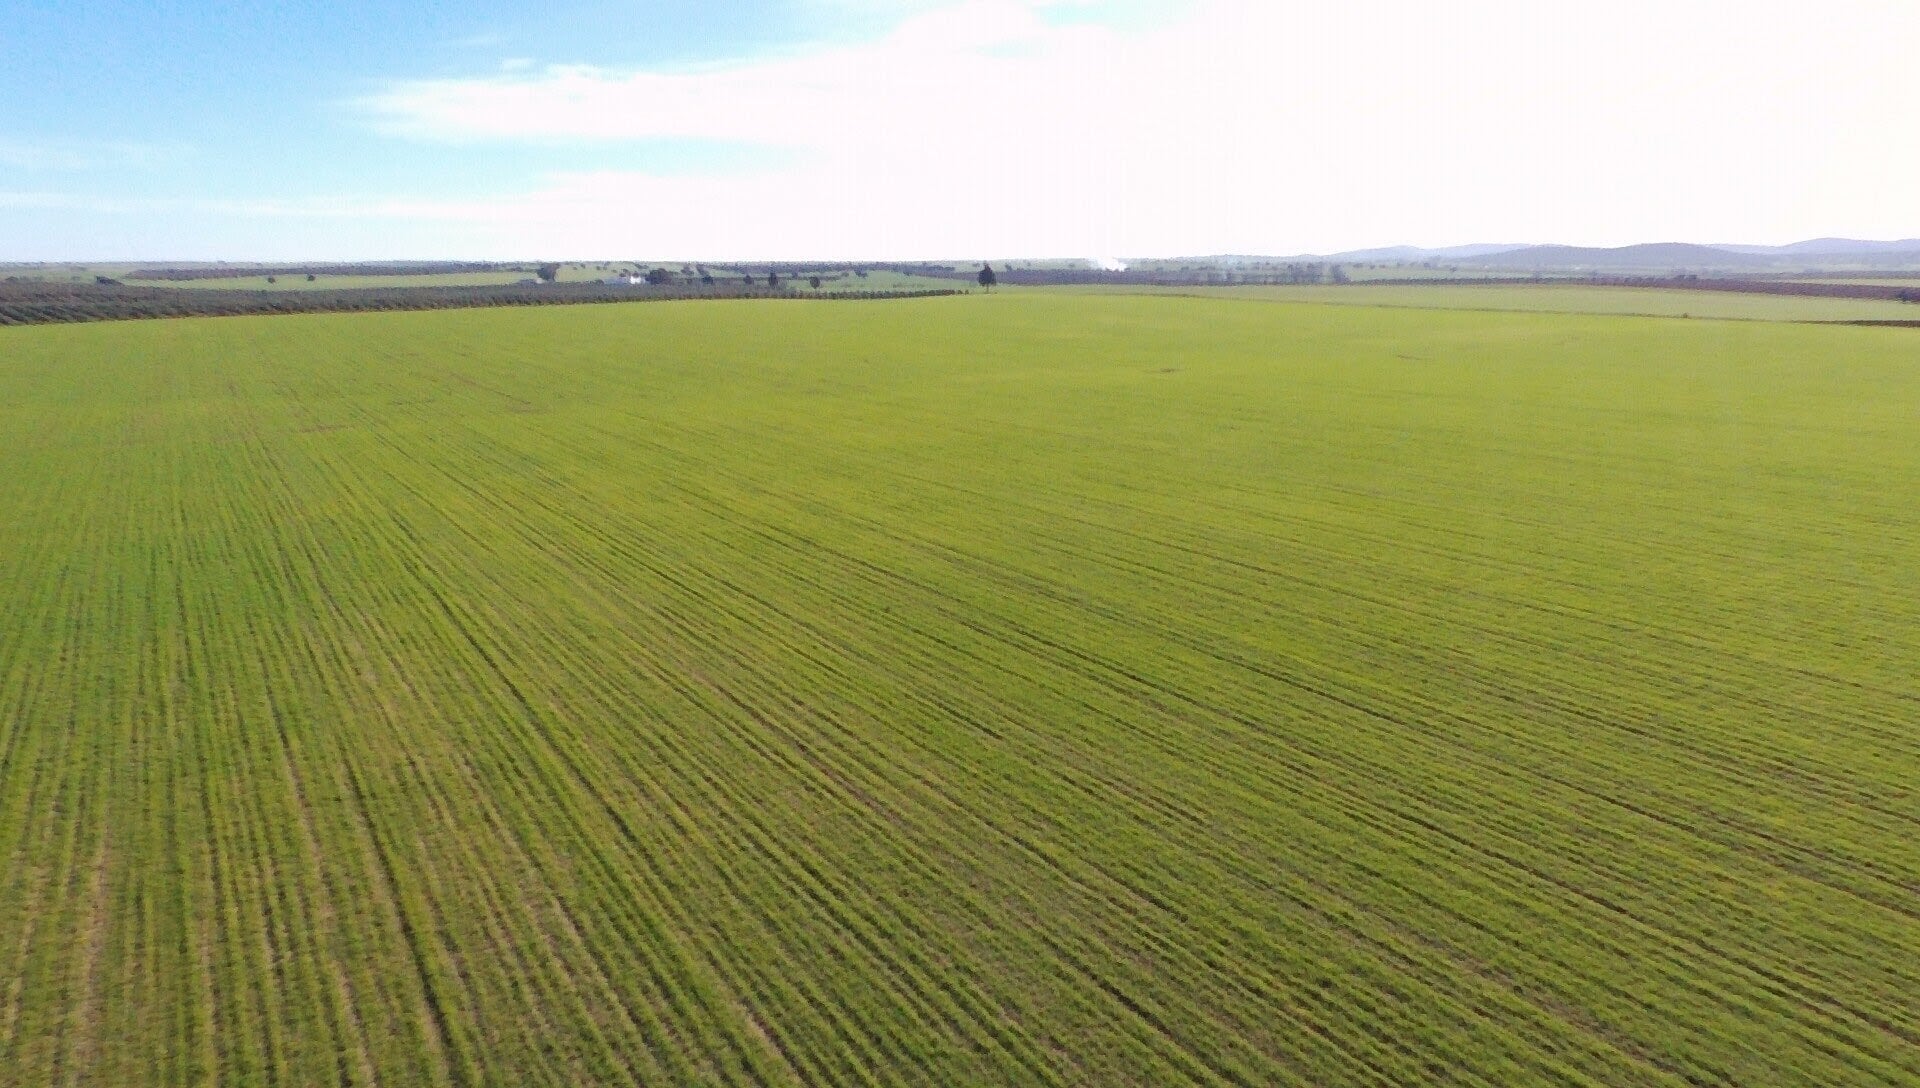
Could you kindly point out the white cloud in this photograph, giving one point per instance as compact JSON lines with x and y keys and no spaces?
{"x":932,"y":64}
{"x":347,"y":208}
{"x":75,"y":155}
{"x":16,"y":199}
{"x":983,"y":127}
{"x":991,"y":127}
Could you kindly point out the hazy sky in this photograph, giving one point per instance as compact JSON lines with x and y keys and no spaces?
{"x":945,"y":128}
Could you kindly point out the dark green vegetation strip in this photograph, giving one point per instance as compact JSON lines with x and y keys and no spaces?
{"x":30,"y":302}
{"x":1016,"y":690}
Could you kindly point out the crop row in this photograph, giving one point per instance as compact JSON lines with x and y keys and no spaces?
{"x":1024,"y":691}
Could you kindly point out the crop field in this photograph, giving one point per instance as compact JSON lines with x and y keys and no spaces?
{"x":1027,"y":689}
{"x":1564,"y":298}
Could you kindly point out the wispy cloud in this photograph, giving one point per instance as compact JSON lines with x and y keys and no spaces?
{"x":482,"y":40}
{"x":28,"y":200}
{"x":1247,"y":125}
{"x":355,"y":208}
{"x":1018,"y":126}
{"x":979,"y":59}
{"x":86,"y":154}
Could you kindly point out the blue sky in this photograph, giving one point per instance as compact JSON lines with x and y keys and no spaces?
{"x":958,"y":128}
{"x":170,"y":110}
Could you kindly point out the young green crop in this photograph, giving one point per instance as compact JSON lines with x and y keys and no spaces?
{"x":1558,"y":298}
{"x":1036,"y":689}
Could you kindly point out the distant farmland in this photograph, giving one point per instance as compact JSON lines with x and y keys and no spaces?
{"x":1025,"y":689}
{"x":1569,"y":298}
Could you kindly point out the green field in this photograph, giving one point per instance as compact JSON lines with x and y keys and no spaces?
{"x":1560,"y":298}
{"x":1026,"y":689}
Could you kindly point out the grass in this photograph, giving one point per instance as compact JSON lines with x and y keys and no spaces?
{"x":1019,"y":689}
{"x":1560,"y":298}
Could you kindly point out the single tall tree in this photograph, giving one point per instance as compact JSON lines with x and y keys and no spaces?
{"x":986,"y":277}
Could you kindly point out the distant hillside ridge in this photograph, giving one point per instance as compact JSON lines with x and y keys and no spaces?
{"x":1831,"y":247}
{"x":1645,"y":255}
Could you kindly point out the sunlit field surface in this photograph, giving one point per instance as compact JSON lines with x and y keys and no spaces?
{"x":1022,"y":689}
{"x":1558,"y":298}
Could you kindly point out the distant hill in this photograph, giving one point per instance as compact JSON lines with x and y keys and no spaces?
{"x":1651,"y":255}
{"x":1837,"y":253}
{"x":1830,"y":247}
